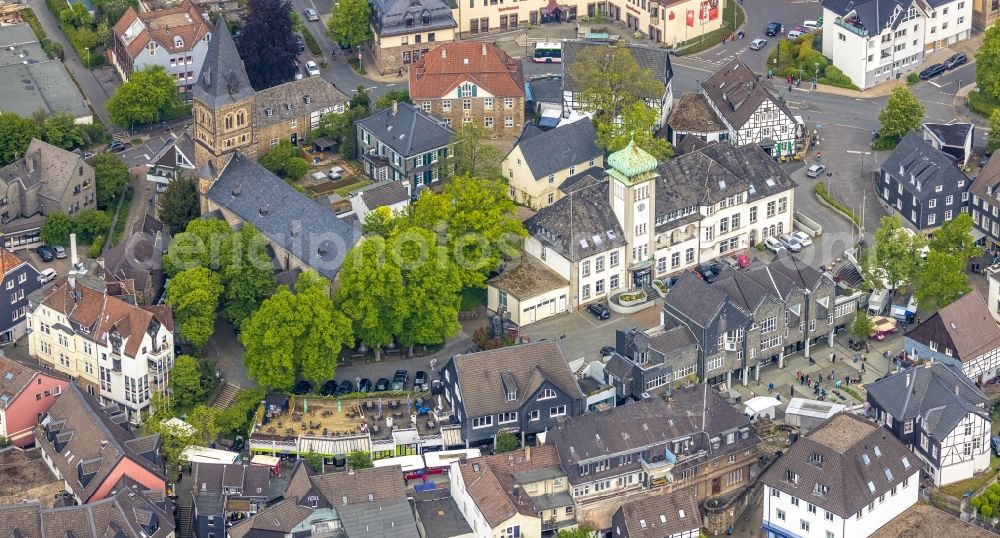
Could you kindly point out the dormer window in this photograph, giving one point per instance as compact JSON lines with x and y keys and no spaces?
{"x":178,"y":42}
{"x":511,"y":395}
{"x":816,"y":459}
{"x":409,"y":21}
{"x":791,"y":477}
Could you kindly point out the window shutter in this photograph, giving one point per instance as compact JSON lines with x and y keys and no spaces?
{"x":474,"y":88}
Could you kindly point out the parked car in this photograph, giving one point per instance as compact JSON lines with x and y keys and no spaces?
{"x":794,"y":34}
{"x":812,"y":25}
{"x":312,"y":68}
{"x":773,"y":29}
{"x":773,"y":244}
{"x":738,"y":261}
{"x":802,"y":29}
{"x":955,"y":60}
{"x":790,"y":243}
{"x":710,"y":272}
{"x":300,"y":43}
{"x":47,"y":275}
{"x":803,"y":238}
{"x":346,"y":387}
{"x":816,"y":170}
{"x":420,"y":380}
{"x":400,"y":379}
{"x":382,"y":385}
{"x":758,"y":44}
{"x":46,"y":253}
{"x":606,"y":351}
{"x":311,"y":15}
{"x":328,"y":388}
{"x":302,"y":387}
{"x":995,"y":443}
{"x":60,"y":252}
{"x":365,"y":385}
{"x":599,"y":311}
{"x":116,"y":146}
{"x":932,"y":71}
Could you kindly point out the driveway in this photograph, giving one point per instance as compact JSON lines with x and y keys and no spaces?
{"x":581,"y":335}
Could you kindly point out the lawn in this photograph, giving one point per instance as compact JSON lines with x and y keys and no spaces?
{"x":959,"y":489}
{"x":473,"y":298}
{"x":706,"y":41}
{"x":346,"y":190}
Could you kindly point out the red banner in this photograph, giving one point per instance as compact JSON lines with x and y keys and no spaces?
{"x":690,"y":17}
{"x":709,"y":11}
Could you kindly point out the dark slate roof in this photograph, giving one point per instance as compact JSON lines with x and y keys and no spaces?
{"x":384,"y":193}
{"x":841,"y":443}
{"x":665,"y":514}
{"x":560,"y":148}
{"x":742,"y":290}
{"x":579,"y":225}
{"x":795,"y":270}
{"x":970,"y":325}
{"x":672,"y":339}
{"x":655,"y":59}
{"x":546,"y":89}
{"x":581,"y":180}
{"x":618,"y":366}
{"x":737,"y":93}
{"x":929,"y":392}
{"x":390,"y":16}
{"x":223,"y":78}
{"x":987,"y":184}
{"x":689,"y":144}
{"x":386,"y":519}
{"x":874,"y":15}
{"x":530,"y":130}
{"x":303,"y":227}
{"x":409,"y":131}
{"x":440,"y":515}
{"x":950,"y":134}
{"x":926,"y":165}
{"x":695,"y":299}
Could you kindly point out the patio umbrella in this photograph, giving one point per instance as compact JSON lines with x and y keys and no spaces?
{"x":305,"y":405}
{"x":338,"y":406}
{"x":380,"y":408}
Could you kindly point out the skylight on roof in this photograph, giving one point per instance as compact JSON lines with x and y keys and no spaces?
{"x":583,"y":243}
{"x":753,"y":190}
{"x":722,"y":184}
{"x":642,"y":523}
{"x":769,"y":181}
{"x":597,"y":239}
{"x":681,"y":513}
{"x":871,"y":486}
{"x":866,"y":459}
{"x":663,"y":518}
{"x":9,"y":376}
{"x":888,"y":474}
{"x":906,"y":463}
{"x":610,"y":234}
{"x":878,"y":453}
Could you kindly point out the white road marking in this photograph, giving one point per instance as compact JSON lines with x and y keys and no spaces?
{"x":932,"y":83}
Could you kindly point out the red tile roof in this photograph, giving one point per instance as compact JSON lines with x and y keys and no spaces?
{"x":485,"y":65}
{"x":183,"y":20}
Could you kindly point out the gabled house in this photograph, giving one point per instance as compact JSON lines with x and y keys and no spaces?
{"x":403,"y":31}
{"x":46,"y":180}
{"x":471,"y":82}
{"x":844,"y":479}
{"x":922,"y":185}
{"x":522,"y":389}
{"x":25,"y":394}
{"x":173,"y":159}
{"x":672,"y":515}
{"x":654,"y":59}
{"x":403,"y":143}
{"x":939,"y":414}
{"x":527,"y":291}
{"x":394,"y":195}
{"x":645,"y":364}
{"x":954,"y":139}
{"x":223,"y":491}
{"x":962,"y":334}
{"x":137,"y":262}
{"x":540,"y":162}
{"x":520,"y":493}
{"x":750,"y":109}
{"x":984,"y":203}
{"x":91,"y":447}
{"x":19,"y":279}
{"x":692,"y":116}
{"x":175,"y":38}
{"x":694,"y":439}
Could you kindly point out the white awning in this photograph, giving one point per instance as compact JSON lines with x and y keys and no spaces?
{"x":759,"y":404}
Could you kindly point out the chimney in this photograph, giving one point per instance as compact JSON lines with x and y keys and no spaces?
{"x":484,"y":49}
{"x":527,"y":452}
{"x":29,"y":162}
{"x":72,"y":250}
{"x":72,"y":282}
{"x":444,"y":52}
{"x":395,"y":107}
{"x":907,"y":380}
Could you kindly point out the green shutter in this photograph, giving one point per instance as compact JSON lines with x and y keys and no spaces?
{"x":474,"y":88}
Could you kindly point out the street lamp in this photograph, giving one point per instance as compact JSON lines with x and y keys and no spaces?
{"x":88,"y":56}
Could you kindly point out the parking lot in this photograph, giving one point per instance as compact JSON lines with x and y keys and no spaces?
{"x":29,"y":255}
{"x":580,"y":334}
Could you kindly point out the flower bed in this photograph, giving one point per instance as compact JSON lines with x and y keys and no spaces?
{"x":631,"y":298}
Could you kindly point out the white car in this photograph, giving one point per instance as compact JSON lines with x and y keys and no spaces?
{"x":811,"y":25}
{"x":757,"y":44}
{"x":47,"y":275}
{"x":311,"y":15}
{"x":794,"y":34}
{"x":312,"y":68}
{"x":816,"y":170}
{"x":803,"y":238}
{"x":773,"y":244}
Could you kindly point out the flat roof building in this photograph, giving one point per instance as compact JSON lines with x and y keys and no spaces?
{"x":30,"y":81}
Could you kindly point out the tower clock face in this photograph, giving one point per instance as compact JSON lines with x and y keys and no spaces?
{"x":642,"y":206}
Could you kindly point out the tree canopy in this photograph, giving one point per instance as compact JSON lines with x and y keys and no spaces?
{"x":111,"y":175}
{"x":862,"y":326}
{"x":475,"y":155}
{"x":892,"y":262}
{"x":370,"y":288}
{"x":506,"y":442}
{"x":359,"y":459}
{"x":185,"y":381}
{"x":285,"y":160}
{"x":295,"y":336}
{"x":988,"y":63}
{"x":610,"y":80}
{"x":637,"y":122}
{"x":15,"y":135}
{"x":993,"y":137}
{"x":941,"y":280}
{"x":61,"y":130}
{"x":149,"y":93}
{"x":194,"y":296}
{"x":902,"y":114}
{"x":350,"y":22}
{"x":267,"y":43}
{"x":385,"y":100}
{"x":432,"y":286}
{"x":955,"y":237}
{"x":178,"y":204}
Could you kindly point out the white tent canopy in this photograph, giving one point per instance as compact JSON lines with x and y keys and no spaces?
{"x":761,"y":405}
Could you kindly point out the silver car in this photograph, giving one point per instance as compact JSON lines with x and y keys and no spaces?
{"x":790,"y":243}
{"x":311,"y":15}
{"x":816,"y":170}
{"x":757,"y":44}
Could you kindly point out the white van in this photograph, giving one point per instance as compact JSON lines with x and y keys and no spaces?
{"x":46,"y":275}
{"x":811,"y":25}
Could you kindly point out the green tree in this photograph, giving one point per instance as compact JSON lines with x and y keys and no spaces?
{"x":350,"y":22}
{"x":955,"y":238}
{"x":111,"y":176}
{"x":370,"y":287}
{"x":637,"y":122}
{"x":475,"y":155}
{"x":940,"y":280}
{"x":295,"y":335}
{"x":862,"y":326}
{"x":247,"y":274}
{"x":4,"y":442}
{"x":61,"y":130}
{"x":431,"y":290}
{"x":203,"y":418}
{"x":386,"y":99}
{"x":902,"y":114}
{"x":173,"y":440}
{"x":993,"y":138}
{"x":314,"y":460}
{"x":988,"y":63}
{"x":194,"y":296}
{"x":76,"y":15}
{"x":149,"y":93}
{"x":235,"y":419}
{"x":610,"y":80}
{"x":56,"y":229}
{"x":185,"y":381}
{"x":296,"y":168}
{"x":15,"y":135}
{"x":506,"y":442}
{"x":359,"y":459}
{"x":201,"y":244}
{"x":380,"y":222}
{"x":90,"y":223}
{"x":892,"y":262}
{"x":582,"y":531}
{"x":178,"y":204}
{"x":278,"y":158}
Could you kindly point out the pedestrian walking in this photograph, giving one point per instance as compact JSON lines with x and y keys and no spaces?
{"x":791,"y":391}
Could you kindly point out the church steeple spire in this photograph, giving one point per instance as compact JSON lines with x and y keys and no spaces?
{"x":223,"y":79}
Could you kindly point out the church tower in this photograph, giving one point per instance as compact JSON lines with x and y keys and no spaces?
{"x":222,"y":105}
{"x":632,"y":174}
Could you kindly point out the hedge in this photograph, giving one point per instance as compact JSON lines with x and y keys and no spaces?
{"x":839,"y":206}
{"x":311,"y":42}
{"x":51,"y":48}
{"x":80,"y":38}
{"x":981,"y":104}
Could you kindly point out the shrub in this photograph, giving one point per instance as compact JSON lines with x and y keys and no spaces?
{"x":981,"y":104}
{"x":912,"y":79}
{"x":822,"y":192}
{"x":833,"y":76}
{"x":96,"y":247}
{"x":311,"y":43}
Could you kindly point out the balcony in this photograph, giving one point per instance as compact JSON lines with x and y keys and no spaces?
{"x":659,"y":469}
{"x":162,"y":351}
{"x":116,"y":364}
{"x":852,"y":27}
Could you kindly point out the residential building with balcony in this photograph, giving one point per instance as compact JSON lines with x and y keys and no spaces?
{"x":844,"y":479}
{"x":25,"y":394}
{"x":404,"y":31}
{"x":544,"y":165}
{"x":113,"y":349}
{"x":522,"y":389}
{"x":520,"y":493}
{"x":175,"y":38}
{"x":648,"y":363}
{"x":962,"y":334}
{"x":922,"y":185}
{"x":939,"y":414}
{"x":671,"y":515}
{"x":174,"y":159}
{"x":873,"y":41}
{"x":693,"y":439}
{"x":404,"y":143}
